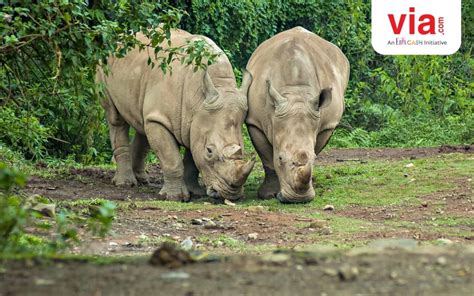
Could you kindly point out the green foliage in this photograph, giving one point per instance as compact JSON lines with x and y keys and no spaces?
{"x":49,"y":51}
{"x":30,"y":225}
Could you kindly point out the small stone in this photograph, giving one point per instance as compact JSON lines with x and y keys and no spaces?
{"x":325,"y":231}
{"x":393,"y":275}
{"x":229,"y":203}
{"x":277,"y":259}
{"x":328,"y":208}
{"x":412,"y":180}
{"x":424,"y":204}
{"x":410,"y":165}
{"x":348,"y":273}
{"x":219,"y":243}
{"x":205,"y":219}
{"x":405,"y":175}
{"x":210,"y":225}
{"x":469,"y":180}
{"x":317,"y":224}
{"x":113,"y":244}
{"x":48,"y":210}
{"x":187,"y":244}
{"x":43,"y":282}
{"x":444,"y":241}
{"x":196,"y":221}
{"x":175,"y":275}
{"x":441,"y":261}
{"x":330,"y":272}
{"x":253,"y":236}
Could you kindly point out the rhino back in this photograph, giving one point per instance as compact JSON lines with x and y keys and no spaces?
{"x":272,"y":60}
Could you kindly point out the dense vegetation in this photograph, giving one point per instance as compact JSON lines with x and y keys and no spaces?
{"x":49,"y":50}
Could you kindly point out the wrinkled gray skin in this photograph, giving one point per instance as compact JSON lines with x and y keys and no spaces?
{"x":295,"y":102}
{"x":202,"y":111}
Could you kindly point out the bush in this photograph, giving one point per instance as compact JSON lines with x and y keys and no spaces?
{"x":31,"y":225}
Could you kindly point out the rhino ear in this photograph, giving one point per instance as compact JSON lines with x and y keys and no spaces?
{"x":325,"y":98}
{"x":210,"y":90}
{"x":278,"y":100}
{"x":246,"y":82}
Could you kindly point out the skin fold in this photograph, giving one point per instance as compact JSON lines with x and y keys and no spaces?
{"x":296,"y":100}
{"x":202,"y":111}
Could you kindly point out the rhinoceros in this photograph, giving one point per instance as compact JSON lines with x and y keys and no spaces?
{"x":296,"y":100}
{"x":202,"y":110}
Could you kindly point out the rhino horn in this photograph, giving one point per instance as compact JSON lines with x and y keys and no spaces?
{"x":232,"y":150}
{"x":303,"y":177}
{"x":212,"y":95}
{"x":278,"y":99}
{"x":246,"y":82}
{"x":246,"y":169}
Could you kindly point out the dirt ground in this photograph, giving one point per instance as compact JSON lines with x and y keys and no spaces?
{"x":252,"y":230}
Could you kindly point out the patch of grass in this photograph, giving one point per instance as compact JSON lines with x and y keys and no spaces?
{"x":222,"y":241}
{"x":375,"y":183}
{"x":454,"y":221}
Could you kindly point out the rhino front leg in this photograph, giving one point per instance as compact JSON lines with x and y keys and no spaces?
{"x":118,"y":131}
{"x":167,"y":150}
{"x":140,"y":148}
{"x":271,"y":186}
{"x":191,"y":176}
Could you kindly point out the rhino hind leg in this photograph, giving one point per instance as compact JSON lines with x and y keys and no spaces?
{"x":118,"y":131}
{"x":166,"y":148}
{"x":140,"y":148}
{"x":270,"y":186}
{"x":191,"y":176}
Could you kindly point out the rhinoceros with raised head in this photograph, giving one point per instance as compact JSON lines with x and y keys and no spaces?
{"x":295,"y":102}
{"x":202,"y":111}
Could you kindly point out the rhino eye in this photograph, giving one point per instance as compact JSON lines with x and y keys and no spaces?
{"x":209,"y":152}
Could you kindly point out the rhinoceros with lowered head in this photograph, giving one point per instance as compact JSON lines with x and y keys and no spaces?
{"x":296,"y":100}
{"x":202,"y":111}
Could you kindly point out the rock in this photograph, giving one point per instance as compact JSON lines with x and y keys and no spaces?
{"x":325,"y":231}
{"x":196,"y":221}
{"x":187,"y":244}
{"x":205,"y":219}
{"x":168,"y":254}
{"x":219,"y":243}
{"x":256,"y":208}
{"x":424,"y":204}
{"x":348,"y":273}
{"x":43,"y":282}
{"x":441,"y":261}
{"x":405,"y":175}
{"x":48,"y":210}
{"x":444,"y":241}
{"x":277,"y":259}
{"x":113,"y":244}
{"x":318,"y":224}
{"x":210,"y":225}
{"x":412,"y":180}
{"x":330,"y":272}
{"x":253,"y":236}
{"x":410,"y":165}
{"x":328,"y":208}
{"x":175,"y":275}
{"x":229,"y":203}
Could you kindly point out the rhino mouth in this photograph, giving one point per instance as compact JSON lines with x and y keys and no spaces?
{"x":225,"y":192}
{"x":287,"y":195}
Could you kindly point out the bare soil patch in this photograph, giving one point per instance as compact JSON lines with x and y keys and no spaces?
{"x":372,"y":272}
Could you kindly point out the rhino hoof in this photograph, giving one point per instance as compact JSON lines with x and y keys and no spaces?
{"x":142,"y":178}
{"x":127,"y":180}
{"x":266,"y":195}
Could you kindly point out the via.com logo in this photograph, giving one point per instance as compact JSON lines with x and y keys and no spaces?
{"x":416,"y":27}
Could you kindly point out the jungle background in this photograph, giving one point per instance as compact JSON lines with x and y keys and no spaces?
{"x":406,"y":172}
{"x":50,"y":50}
